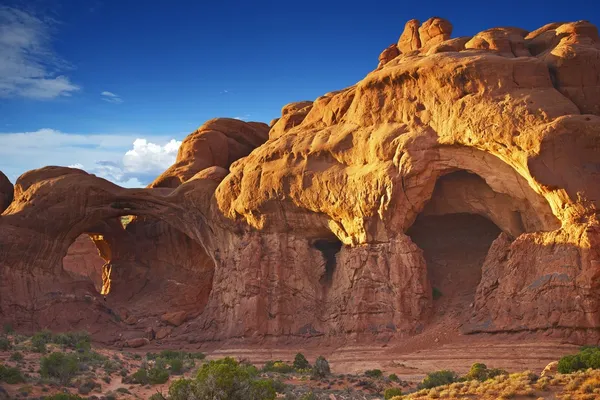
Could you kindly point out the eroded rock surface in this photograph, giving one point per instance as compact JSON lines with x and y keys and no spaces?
{"x":310,"y":227}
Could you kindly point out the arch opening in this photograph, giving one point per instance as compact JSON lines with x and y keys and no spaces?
{"x":144,"y":265}
{"x":454,"y":247}
{"x":455,"y":230}
{"x":83,"y":261}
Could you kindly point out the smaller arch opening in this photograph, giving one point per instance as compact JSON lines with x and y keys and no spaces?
{"x":126,"y":220}
{"x":84,"y":260}
{"x":329,"y":248}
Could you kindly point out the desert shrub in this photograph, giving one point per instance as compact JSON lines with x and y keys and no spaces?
{"x":224,"y":379}
{"x":64,"y":396}
{"x":183,"y":389}
{"x":7,"y":328}
{"x":60,"y":366}
{"x":74,"y":340}
{"x":300,"y":362}
{"x":588,"y":357}
{"x":478,"y":371}
{"x":391,"y":392}
{"x":149,"y":376}
{"x":5,"y":344}
{"x":321,"y":368}
{"x":39,"y":341}
{"x":10,"y":375}
{"x":436,"y":293}
{"x":481,"y":372}
{"x":158,"y":375}
{"x":308,"y":396}
{"x":176,"y":366}
{"x":277,"y":366}
{"x":86,"y":386}
{"x":16,"y":356}
{"x":158,"y":396}
{"x":111,"y":366}
{"x":279,"y":386}
{"x":494,"y":372}
{"x":374,"y":373}
{"x":394,"y":378}
{"x":438,"y":378}
{"x":173,"y":354}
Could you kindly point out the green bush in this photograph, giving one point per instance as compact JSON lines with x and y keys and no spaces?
{"x":10,"y":375}
{"x":277,"y":366}
{"x":481,"y":372}
{"x":374,"y":373}
{"x":224,"y":379}
{"x":153,"y":376}
{"x":86,"y":386}
{"x":40,"y":340}
{"x":300,"y":362}
{"x":438,"y":378}
{"x":391,"y":392}
{"x":279,"y":386}
{"x":436,"y":293}
{"x":5,"y":344}
{"x":158,"y":375}
{"x":158,"y":396}
{"x":74,"y":340}
{"x":61,"y":366}
{"x":588,"y":357}
{"x":394,"y":378}
{"x":321,"y":368}
{"x":64,"y":396}
{"x":16,"y":356}
{"x":176,"y":366}
{"x":172,"y":355}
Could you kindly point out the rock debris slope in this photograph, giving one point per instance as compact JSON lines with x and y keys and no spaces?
{"x":460,"y":179}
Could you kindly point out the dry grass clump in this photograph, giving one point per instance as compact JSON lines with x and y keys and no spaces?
{"x":500,"y":387}
{"x":580,"y":385}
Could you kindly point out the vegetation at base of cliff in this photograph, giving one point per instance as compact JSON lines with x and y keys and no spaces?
{"x":63,"y":396}
{"x":10,"y":375}
{"x":71,"y":340}
{"x":588,"y":357}
{"x":60,"y":366}
{"x":392,"y":392}
{"x":438,"y":378}
{"x":224,"y":379}
{"x":374,"y":373}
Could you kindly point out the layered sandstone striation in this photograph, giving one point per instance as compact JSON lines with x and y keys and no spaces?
{"x":331,"y":222}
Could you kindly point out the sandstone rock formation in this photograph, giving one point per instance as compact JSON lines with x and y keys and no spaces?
{"x":336,"y":221}
{"x":6,"y":192}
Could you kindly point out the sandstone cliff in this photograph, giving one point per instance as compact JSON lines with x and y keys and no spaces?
{"x":460,"y":178}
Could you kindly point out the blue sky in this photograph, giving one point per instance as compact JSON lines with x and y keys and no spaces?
{"x":113,"y":86}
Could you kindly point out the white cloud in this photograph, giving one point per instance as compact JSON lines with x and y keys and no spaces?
{"x":126,"y":160}
{"x":148,"y":157}
{"x":111,"y":97}
{"x":28,"y":66}
{"x":244,"y":117}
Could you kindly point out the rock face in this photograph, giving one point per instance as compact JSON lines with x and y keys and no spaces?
{"x":332,"y":222}
{"x":6,"y":192}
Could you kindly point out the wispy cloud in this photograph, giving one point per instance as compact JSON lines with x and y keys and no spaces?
{"x":28,"y":65}
{"x":244,"y":117}
{"x":224,"y":91}
{"x":125,"y":159}
{"x":111,"y":97}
